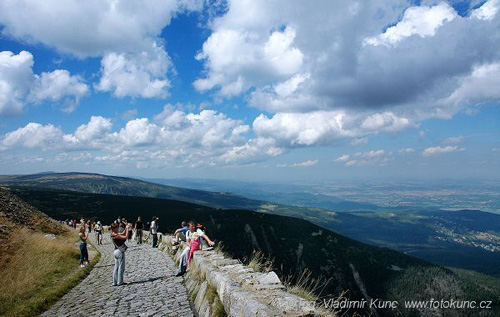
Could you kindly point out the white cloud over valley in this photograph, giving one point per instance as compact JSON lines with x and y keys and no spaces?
{"x":125,"y":34}
{"x":249,"y":81}
{"x":438,"y":150}
{"x":19,"y":85}
{"x":348,"y":61}
{"x":173,"y":137}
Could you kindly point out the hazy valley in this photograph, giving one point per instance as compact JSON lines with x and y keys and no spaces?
{"x":461,"y":239}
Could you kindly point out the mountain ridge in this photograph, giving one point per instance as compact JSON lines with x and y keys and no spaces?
{"x":294,"y":243}
{"x":424,"y":234}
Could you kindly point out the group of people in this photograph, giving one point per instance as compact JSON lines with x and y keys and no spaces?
{"x":194,"y":236}
{"x":70,"y":222}
{"x":122,"y":231}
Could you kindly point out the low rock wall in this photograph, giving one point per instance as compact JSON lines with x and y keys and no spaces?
{"x":221,"y":286}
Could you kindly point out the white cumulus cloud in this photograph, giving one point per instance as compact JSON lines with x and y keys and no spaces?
{"x":19,"y":85}
{"x":407,"y":150}
{"x":422,"y":21}
{"x":125,"y":33}
{"x":386,"y":121}
{"x":236,"y":59}
{"x":58,"y":85}
{"x":172,"y":137}
{"x":33,"y":135}
{"x":16,"y":78}
{"x":373,"y":157}
{"x":343,"y":158}
{"x":415,"y":75}
{"x":307,"y":163}
{"x":325,"y":127}
{"x":454,"y":140}
{"x":302,"y":129}
{"x":141,"y":74}
{"x":94,"y":131}
{"x":438,"y":150}
{"x":88,"y":28}
{"x":487,"y":11}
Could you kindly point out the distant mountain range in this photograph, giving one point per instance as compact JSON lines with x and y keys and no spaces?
{"x":464,"y":239}
{"x":288,"y":194}
{"x":365,"y":271}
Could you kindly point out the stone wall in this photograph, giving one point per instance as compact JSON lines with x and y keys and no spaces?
{"x":221,"y":286}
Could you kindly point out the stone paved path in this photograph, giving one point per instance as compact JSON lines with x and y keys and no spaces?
{"x":151,"y":287}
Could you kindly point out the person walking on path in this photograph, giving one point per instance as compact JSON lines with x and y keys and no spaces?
{"x":139,"y":226}
{"x":154,"y":231}
{"x":98,"y":232}
{"x":119,"y":237}
{"x":84,"y":254}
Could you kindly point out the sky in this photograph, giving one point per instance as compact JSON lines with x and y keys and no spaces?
{"x":251,"y":90}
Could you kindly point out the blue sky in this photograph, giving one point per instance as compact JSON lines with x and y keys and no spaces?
{"x":251,"y":90}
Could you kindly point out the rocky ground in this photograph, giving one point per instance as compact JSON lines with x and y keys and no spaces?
{"x":15,"y":213}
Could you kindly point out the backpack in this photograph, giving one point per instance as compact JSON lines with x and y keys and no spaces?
{"x":202,"y":227}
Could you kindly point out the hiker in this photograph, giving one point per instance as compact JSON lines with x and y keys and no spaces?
{"x":154,"y":231}
{"x":193,"y":242}
{"x":119,"y":234}
{"x":84,"y":254}
{"x":98,"y":232}
{"x":180,"y":234}
{"x":89,"y":225}
{"x":138,"y":230}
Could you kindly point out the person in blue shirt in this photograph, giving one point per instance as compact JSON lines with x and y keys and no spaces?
{"x":180,"y":234}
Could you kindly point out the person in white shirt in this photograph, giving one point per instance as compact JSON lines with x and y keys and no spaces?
{"x":154,"y":231}
{"x":98,"y":228}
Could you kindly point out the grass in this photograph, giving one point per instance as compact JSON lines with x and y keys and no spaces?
{"x":195,"y":272}
{"x":259,"y":263}
{"x":39,"y":272}
{"x":214,"y":301}
{"x":219,"y":249}
{"x":305,"y":285}
{"x":193,"y":296}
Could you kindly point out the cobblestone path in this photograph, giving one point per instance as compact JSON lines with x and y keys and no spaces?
{"x":150,"y":289}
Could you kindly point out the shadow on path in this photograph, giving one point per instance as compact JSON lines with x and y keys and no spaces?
{"x":145,"y":281}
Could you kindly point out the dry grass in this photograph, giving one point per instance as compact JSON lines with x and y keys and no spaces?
{"x":259,"y":263}
{"x":215,"y":303}
{"x":305,"y":285}
{"x":219,"y":249}
{"x":334,"y":312}
{"x":195,"y":272}
{"x":37,"y":271}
